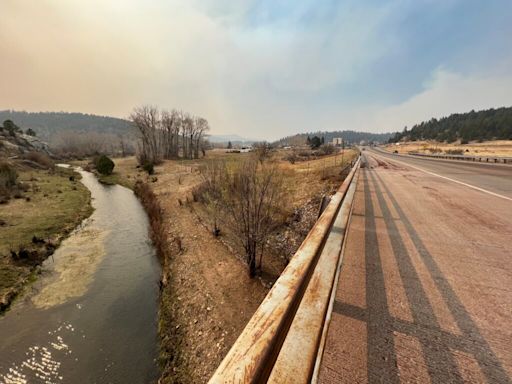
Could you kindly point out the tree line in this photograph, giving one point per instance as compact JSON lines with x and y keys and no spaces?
{"x":490,"y":124}
{"x":348,"y":136}
{"x":48,"y":125}
{"x":169,"y":135}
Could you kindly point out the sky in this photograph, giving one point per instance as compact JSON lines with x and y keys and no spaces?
{"x":259,"y":69}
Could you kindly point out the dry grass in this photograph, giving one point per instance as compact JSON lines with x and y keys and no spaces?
{"x":502,"y":148}
{"x":40,"y":158}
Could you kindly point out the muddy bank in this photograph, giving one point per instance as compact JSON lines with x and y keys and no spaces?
{"x":206,"y":296}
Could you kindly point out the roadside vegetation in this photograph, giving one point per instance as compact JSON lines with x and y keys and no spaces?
{"x":502,"y":148}
{"x":248,"y":199}
{"x":216,"y":271}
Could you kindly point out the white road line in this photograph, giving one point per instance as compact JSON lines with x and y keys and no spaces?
{"x":448,"y":178}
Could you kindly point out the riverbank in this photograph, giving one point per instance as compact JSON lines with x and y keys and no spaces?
{"x":33,"y":225}
{"x":97,"y":294}
{"x":207,"y":297}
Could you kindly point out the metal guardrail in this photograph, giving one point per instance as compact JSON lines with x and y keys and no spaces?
{"x":281,"y":342}
{"x":480,"y":159}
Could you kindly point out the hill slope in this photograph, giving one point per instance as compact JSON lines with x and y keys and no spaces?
{"x":49,"y":124}
{"x":349,"y":136}
{"x":490,"y":124}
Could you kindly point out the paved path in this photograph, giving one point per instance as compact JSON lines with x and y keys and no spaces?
{"x":425,"y":293}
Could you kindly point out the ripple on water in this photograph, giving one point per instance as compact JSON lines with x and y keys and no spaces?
{"x":41,"y":362}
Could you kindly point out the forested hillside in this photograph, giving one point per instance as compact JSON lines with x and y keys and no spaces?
{"x":349,"y":136}
{"x":48,"y":125}
{"x":490,"y":124}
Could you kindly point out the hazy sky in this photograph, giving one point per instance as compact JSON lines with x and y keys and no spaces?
{"x":260,"y":69}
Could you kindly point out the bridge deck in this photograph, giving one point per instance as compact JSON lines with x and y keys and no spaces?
{"x":425,"y":293}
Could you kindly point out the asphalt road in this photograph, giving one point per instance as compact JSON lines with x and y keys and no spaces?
{"x":425,"y":291}
{"x":492,"y":177}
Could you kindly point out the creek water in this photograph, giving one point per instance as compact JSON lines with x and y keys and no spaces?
{"x":91,"y":317}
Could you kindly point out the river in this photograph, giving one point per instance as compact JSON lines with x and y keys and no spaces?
{"x":91,"y":317}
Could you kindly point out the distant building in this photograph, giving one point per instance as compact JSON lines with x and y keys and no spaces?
{"x":337,"y":141}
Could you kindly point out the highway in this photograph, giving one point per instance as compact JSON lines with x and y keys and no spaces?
{"x":492,"y":177}
{"x":425,"y":290}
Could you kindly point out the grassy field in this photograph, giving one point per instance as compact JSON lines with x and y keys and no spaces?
{"x":502,"y":148}
{"x":52,"y":206}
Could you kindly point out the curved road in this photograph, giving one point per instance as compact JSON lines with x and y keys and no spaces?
{"x":425,"y":291}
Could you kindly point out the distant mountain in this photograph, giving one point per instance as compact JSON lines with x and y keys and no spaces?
{"x":49,"y":124}
{"x":226,"y":138}
{"x":352,"y":137}
{"x":490,"y":124}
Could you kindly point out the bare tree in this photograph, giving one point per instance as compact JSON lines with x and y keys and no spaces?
{"x":201,"y":127}
{"x":168,"y":134}
{"x":84,"y":144}
{"x":123,"y":146}
{"x":147,"y":121}
{"x":251,"y":200}
{"x":263,"y":151}
{"x":213,"y":175}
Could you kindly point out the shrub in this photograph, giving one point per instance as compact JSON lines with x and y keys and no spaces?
{"x":434,"y":150}
{"x":104,"y":165}
{"x":149,"y":167}
{"x":40,"y":158}
{"x":8,"y":176}
{"x":11,"y":127}
{"x":454,"y":151}
{"x":292,"y":158}
{"x":327,"y":149}
{"x":152,"y":205}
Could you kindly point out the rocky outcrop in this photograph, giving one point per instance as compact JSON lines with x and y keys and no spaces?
{"x":20,"y":143}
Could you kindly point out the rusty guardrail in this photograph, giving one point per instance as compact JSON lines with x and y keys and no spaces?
{"x":280,"y":343}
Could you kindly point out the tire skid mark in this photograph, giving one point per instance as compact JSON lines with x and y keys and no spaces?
{"x":440,"y":362}
{"x":487,"y":360}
